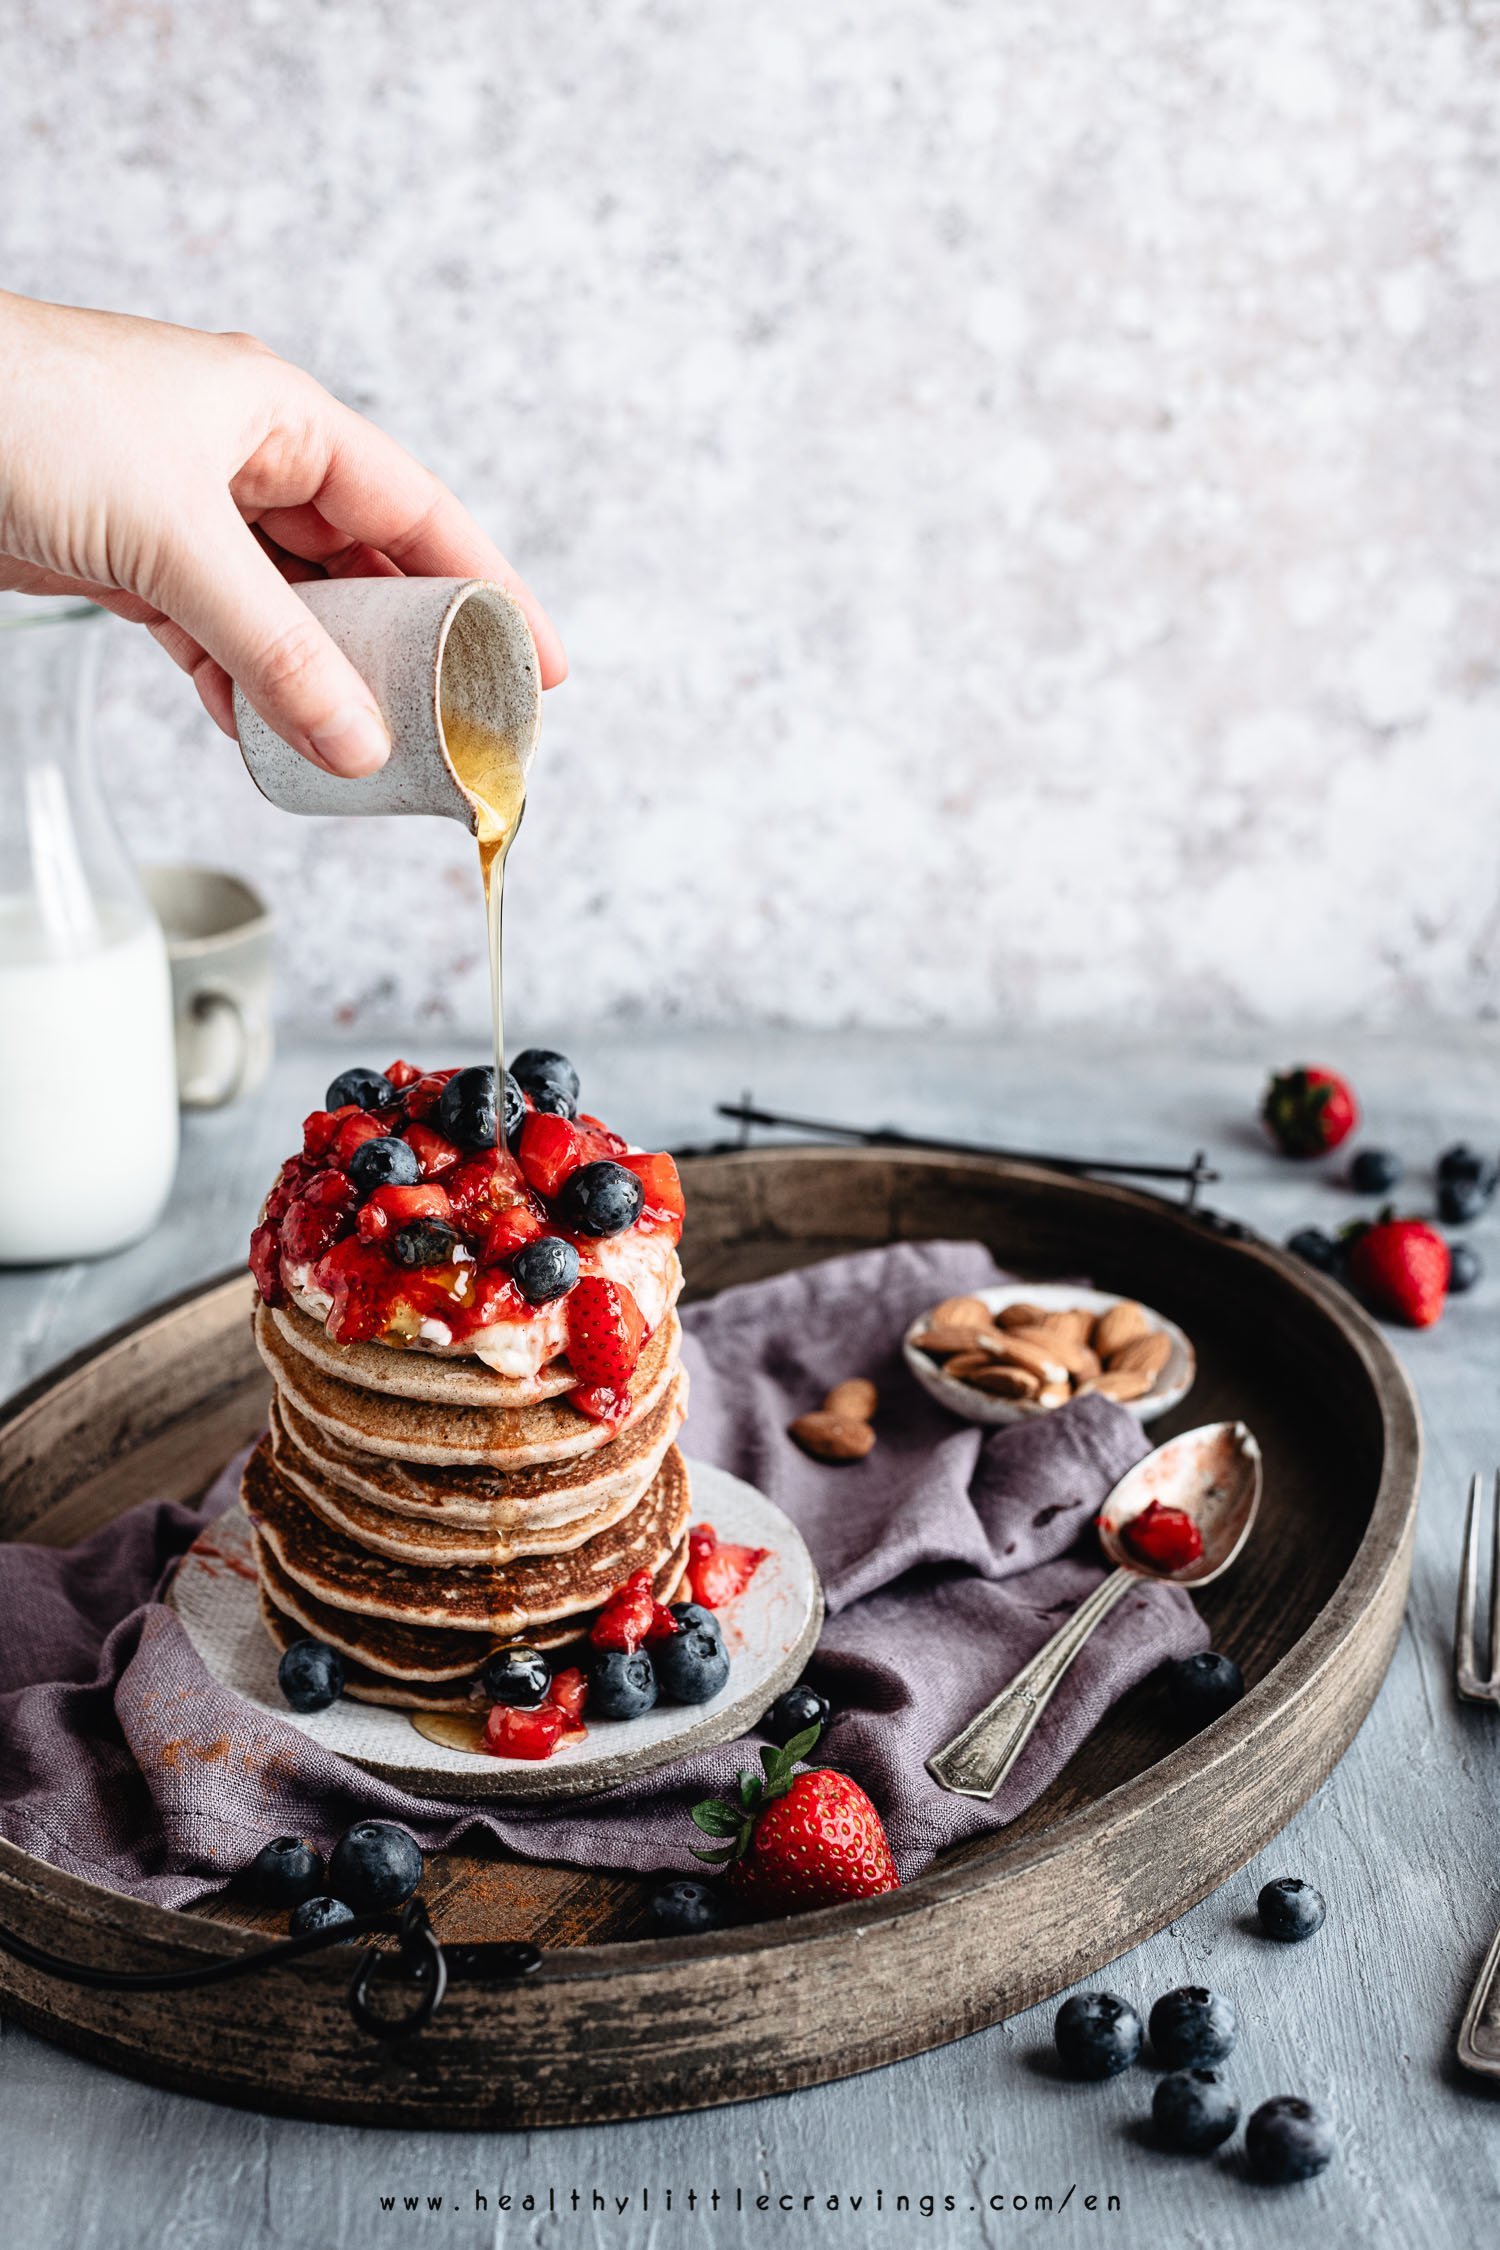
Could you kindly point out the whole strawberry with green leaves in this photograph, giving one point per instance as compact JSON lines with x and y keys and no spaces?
{"x":794,"y":1840}
{"x":1400,"y":1267}
{"x":1308,"y":1111}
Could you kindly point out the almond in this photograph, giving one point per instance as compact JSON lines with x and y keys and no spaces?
{"x":964,"y":1366}
{"x":939,"y":1342}
{"x":857,"y":1398}
{"x":1120,"y":1384}
{"x":1117,"y":1327}
{"x":1074,"y":1326}
{"x":1016,"y":1351}
{"x":1021,"y":1316}
{"x":1143,"y":1355}
{"x":1073,"y":1354}
{"x":832,"y":1437}
{"x":961,"y":1312}
{"x":1004,"y":1382}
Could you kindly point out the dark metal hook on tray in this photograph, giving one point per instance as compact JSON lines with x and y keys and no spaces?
{"x":419,"y":1956}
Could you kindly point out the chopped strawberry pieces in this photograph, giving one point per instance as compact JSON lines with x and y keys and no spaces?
{"x":602,"y":1142}
{"x":484,"y":1185}
{"x":663,"y":1624}
{"x":422,"y":1094}
{"x":265,"y":1263}
{"x":432,"y":1152}
{"x":601,"y":1402}
{"x":401,"y":1074}
{"x":495,"y":1297}
{"x":550,"y":1149}
{"x":512,"y":1733}
{"x":718,"y":1571}
{"x":352,"y":1133}
{"x":392,"y":1207}
{"x":1166,"y":1538}
{"x":508,"y":1231}
{"x":318,"y":1217}
{"x":569,"y":1691}
{"x":320,"y":1126}
{"x":628,"y":1616}
{"x":605,"y":1334}
{"x":663,"y":1188}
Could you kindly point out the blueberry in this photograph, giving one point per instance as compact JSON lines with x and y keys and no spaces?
{"x":386,"y":1162}
{"x":374,"y":1864}
{"x":424,"y":1242}
{"x":1097,"y":2035}
{"x":1464,"y":1163}
{"x":1290,"y":1909}
{"x":1315,"y":1248}
{"x":1375,"y":1170}
{"x":1461,"y":1202}
{"x":1465,"y":1267}
{"x":621,"y":1685}
{"x":1203,"y":1687}
{"x":311,"y":1675}
{"x":319,"y":1914}
{"x":691,"y":1665}
{"x":517,"y":1676}
{"x":694,"y":1613}
{"x":544,"y":1269}
{"x":366,"y":1089}
{"x":549,"y":1079}
{"x":600,"y":1198}
{"x":466,"y":1107}
{"x":684,"y":1908}
{"x":1192,"y":2026}
{"x":794,"y":1712}
{"x":285,"y":1871}
{"x":1193,"y":2111}
{"x":1287,"y":2139}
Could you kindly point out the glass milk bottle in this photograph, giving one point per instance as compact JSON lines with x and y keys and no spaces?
{"x":88,"y":1111}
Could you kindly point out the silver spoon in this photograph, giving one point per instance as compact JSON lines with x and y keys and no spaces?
{"x":1212,"y":1474}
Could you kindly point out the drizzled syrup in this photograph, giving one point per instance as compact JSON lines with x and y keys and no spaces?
{"x":455,"y":1730}
{"x":492,"y":775}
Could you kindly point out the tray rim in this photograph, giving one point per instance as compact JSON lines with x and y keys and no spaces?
{"x":1383,"y":1555}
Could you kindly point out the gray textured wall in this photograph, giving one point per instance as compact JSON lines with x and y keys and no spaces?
{"x":1018,"y":481}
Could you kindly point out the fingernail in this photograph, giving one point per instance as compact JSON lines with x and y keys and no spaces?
{"x":353,"y":741}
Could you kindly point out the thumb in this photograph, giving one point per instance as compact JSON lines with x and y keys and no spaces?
{"x":228,"y":594}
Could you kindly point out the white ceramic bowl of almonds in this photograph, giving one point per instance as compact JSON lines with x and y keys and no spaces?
{"x":1024,"y":1348}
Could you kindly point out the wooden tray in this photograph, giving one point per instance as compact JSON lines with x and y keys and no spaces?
{"x":1135,"y":1830}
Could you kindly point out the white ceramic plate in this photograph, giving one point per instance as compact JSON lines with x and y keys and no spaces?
{"x":1170,"y":1388}
{"x":770,"y":1632}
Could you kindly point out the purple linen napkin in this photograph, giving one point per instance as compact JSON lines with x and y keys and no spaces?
{"x":948,"y":1556}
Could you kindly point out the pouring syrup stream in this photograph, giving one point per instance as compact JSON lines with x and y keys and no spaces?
{"x":492,"y":775}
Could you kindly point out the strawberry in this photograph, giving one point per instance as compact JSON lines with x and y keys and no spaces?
{"x":628,"y":1616}
{"x":716,"y":1571}
{"x":318,"y":1216}
{"x":1401,"y":1268}
{"x":320,"y":1126}
{"x":392,"y":1207}
{"x":550,"y":1148}
{"x":664,"y":1205}
{"x":432,"y":1152}
{"x":422,"y":1094}
{"x":513,"y":1733}
{"x":265,"y":1263}
{"x":1308,"y":1111}
{"x":401,"y":1074}
{"x":569,"y":1691}
{"x":359,"y":1126}
{"x":483,"y":1185}
{"x":515,"y":1226}
{"x":1165,"y":1538}
{"x":605,"y":1332}
{"x":798,"y":1839}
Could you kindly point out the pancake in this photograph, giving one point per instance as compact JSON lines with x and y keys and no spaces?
{"x":434,"y":1541}
{"x":504,"y":1600}
{"x":429,"y":1660}
{"x":488,"y":1501}
{"x":398,"y":1371}
{"x":403,"y":1429}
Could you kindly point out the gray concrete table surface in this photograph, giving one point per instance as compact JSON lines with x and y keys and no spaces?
{"x":1402,"y":1838}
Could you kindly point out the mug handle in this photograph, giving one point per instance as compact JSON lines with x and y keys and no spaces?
{"x":198,"y":1093}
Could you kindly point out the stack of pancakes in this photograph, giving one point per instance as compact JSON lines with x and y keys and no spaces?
{"x":418,"y":1512}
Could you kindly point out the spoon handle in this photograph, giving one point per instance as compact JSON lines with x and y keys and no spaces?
{"x":978,"y":1759}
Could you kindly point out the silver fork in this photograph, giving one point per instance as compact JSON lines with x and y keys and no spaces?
{"x":1472,"y":1685}
{"x":1479,"y":2033}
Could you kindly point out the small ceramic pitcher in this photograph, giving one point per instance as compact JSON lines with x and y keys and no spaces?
{"x":427,"y":648}
{"x":218,"y":933}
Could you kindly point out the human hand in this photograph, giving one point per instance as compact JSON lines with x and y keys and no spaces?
{"x":136,"y":457}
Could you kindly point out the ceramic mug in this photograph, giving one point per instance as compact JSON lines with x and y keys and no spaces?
{"x":218,"y":933}
{"x":429,"y":649}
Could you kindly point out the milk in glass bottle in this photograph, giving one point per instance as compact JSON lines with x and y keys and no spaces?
{"x":88,"y":1096}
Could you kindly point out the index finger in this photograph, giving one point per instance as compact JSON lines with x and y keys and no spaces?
{"x":372,"y":490}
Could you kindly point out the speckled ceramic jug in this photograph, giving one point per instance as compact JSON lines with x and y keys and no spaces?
{"x":425,"y":646}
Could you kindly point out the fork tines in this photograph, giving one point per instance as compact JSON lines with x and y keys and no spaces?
{"x":1473,"y":1685}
